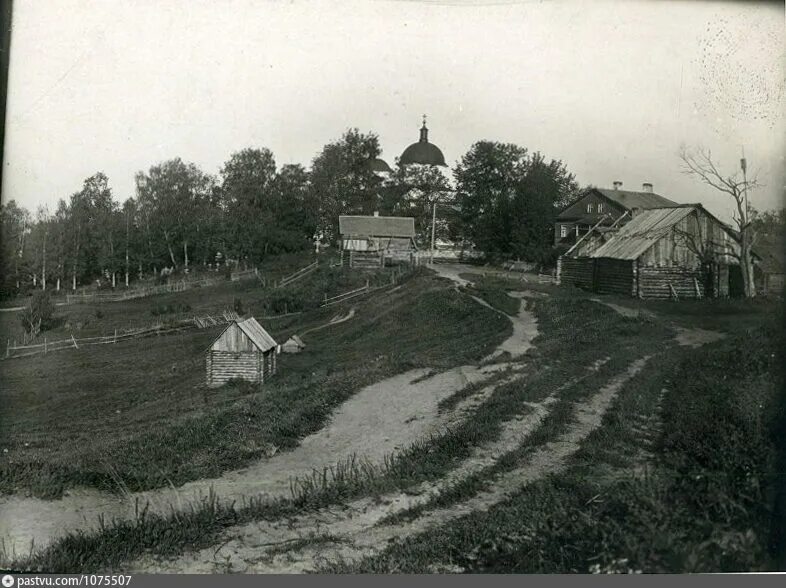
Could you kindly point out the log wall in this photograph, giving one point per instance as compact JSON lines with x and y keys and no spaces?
{"x":223,"y":366}
{"x":654,"y":282}
{"x":615,"y":276}
{"x":576,"y":271}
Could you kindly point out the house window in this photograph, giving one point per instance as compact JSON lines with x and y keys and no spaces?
{"x":563,"y":230}
{"x":600,"y":208}
{"x":589,"y":207}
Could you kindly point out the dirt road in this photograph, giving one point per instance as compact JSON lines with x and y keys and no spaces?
{"x":379,"y":420}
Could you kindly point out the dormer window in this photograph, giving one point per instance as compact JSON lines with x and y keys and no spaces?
{"x":589,"y":208}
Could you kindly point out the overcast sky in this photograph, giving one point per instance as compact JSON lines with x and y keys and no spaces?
{"x":611,"y":88}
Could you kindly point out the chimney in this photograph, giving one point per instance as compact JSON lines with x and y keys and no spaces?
{"x":617,"y":184}
{"x":646,"y":187}
{"x":376,"y":213}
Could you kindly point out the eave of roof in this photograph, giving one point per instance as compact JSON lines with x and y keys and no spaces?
{"x":376,"y":226}
{"x":642,"y":232}
{"x":259,"y":336}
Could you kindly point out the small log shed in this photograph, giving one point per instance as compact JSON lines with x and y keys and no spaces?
{"x":245,"y":351}
{"x":293,"y":345}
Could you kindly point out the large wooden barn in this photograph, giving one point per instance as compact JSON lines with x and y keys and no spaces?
{"x":674,"y":252}
{"x":368,"y":241}
{"x":245,"y":351}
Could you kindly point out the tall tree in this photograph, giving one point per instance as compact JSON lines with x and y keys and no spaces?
{"x":247,"y":192}
{"x":343,"y":182}
{"x":508,"y":199}
{"x":413,"y":190}
{"x":171,"y":194}
{"x":699,"y":163}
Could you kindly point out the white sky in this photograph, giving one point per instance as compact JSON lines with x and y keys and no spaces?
{"x":611,"y":88}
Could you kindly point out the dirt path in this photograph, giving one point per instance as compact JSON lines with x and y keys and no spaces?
{"x":684,"y":336}
{"x":379,"y":420}
{"x":303,"y":543}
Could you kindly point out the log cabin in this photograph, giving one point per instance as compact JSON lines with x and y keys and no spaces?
{"x":368,"y":241}
{"x":681,"y":251}
{"x":244,"y":351}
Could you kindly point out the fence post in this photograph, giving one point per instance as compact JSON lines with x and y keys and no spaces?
{"x":325,"y":297}
{"x":44,"y":345}
{"x":115,"y":340}
{"x":8,"y":348}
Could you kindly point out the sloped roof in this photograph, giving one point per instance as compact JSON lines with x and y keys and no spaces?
{"x":296,"y":340}
{"x":642,"y":232}
{"x":259,"y":336}
{"x":643,"y":200}
{"x":376,"y":226}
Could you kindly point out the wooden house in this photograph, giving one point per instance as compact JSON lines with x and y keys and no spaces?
{"x":293,"y":345}
{"x":676,"y":252}
{"x":368,"y":241}
{"x":244,"y":350}
{"x":602,"y":207}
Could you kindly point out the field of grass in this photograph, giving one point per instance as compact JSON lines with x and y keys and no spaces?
{"x":704,"y":505}
{"x":95,"y":319}
{"x":700,"y":504}
{"x":138,"y":412}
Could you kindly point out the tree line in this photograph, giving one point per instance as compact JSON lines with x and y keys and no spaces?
{"x":503,"y":200}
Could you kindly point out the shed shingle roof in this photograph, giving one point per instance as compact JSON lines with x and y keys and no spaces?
{"x":376,"y":226}
{"x":259,"y":336}
{"x":642,"y":232}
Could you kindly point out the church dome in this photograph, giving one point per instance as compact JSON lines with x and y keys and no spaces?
{"x":422,"y":152}
{"x":379,"y":166}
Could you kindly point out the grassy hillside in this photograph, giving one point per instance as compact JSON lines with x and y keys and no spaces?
{"x":704,"y":504}
{"x":138,"y":412}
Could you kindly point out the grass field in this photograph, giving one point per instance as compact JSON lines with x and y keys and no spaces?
{"x":137,"y":412}
{"x":678,"y":477}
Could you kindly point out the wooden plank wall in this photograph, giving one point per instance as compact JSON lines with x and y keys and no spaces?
{"x":615,"y":276}
{"x":654,"y":282}
{"x":576,"y":271}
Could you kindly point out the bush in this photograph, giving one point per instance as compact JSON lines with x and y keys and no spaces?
{"x":39,"y":315}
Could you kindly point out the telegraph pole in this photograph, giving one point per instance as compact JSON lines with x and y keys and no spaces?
{"x":433,"y":229}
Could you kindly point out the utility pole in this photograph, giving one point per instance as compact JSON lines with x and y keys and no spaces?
{"x":433,"y":230}
{"x":744,"y":230}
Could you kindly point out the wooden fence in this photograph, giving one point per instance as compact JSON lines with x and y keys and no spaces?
{"x":301,"y":273}
{"x":345,"y":296}
{"x":131,"y":293}
{"x":394,"y":278}
{"x":179,"y":286}
{"x":198,"y":322}
{"x":73,"y":343}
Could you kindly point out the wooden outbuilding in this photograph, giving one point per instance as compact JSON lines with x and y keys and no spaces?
{"x":675,"y":252}
{"x":245,"y":351}
{"x":293,"y":345}
{"x":368,"y":241}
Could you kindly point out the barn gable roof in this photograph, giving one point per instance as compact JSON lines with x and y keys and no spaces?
{"x":642,"y":232}
{"x":377,"y":226}
{"x":259,"y":336}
